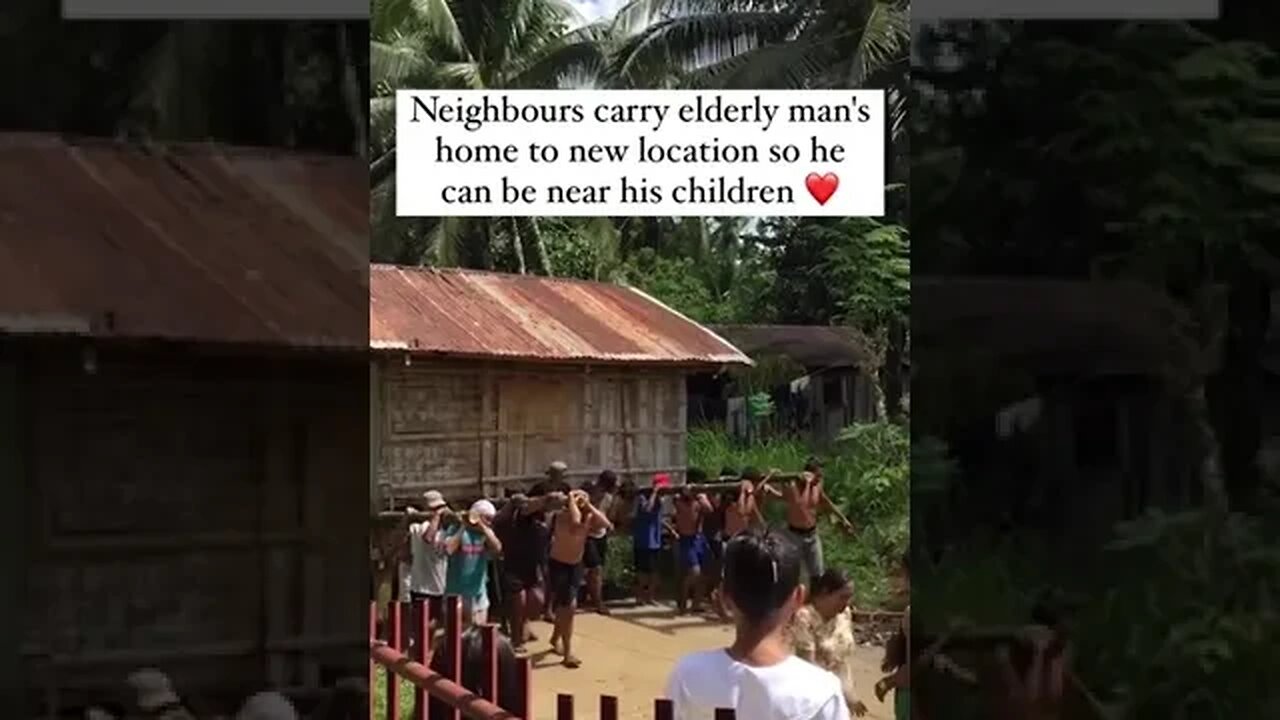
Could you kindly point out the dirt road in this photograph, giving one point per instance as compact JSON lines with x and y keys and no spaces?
{"x":629,"y":654}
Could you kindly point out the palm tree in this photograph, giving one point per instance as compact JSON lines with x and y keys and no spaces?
{"x":647,"y":44}
{"x":467,"y":44}
{"x":764,"y":44}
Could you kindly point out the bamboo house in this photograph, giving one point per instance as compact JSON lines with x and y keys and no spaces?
{"x":481,"y":380}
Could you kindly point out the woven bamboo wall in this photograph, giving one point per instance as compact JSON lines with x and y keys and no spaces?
{"x":467,"y":429}
{"x":201,"y":517}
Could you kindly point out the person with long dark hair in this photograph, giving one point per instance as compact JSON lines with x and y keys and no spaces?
{"x":757,"y":676}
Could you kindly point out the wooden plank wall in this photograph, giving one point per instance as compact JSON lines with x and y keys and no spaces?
{"x":467,"y":430}
{"x":196,"y":517}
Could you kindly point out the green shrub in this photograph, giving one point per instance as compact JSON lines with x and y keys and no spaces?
{"x":1175,"y":617}
{"x":866,"y":476}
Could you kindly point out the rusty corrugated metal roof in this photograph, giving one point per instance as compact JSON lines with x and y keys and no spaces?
{"x":466,"y":313}
{"x":191,"y":242}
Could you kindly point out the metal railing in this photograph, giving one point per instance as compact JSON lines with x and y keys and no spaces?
{"x":386,"y":656}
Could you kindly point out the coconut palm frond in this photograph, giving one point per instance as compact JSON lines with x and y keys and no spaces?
{"x":791,"y":65}
{"x":884,"y":38}
{"x":573,"y":65}
{"x":689,"y":42}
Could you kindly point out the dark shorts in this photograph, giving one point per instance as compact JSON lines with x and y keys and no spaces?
{"x":693,"y":550}
{"x":434,"y":604}
{"x":713,"y":558}
{"x":596,"y":551}
{"x":644,"y":559}
{"x":516,"y":578}
{"x":563,"y":583}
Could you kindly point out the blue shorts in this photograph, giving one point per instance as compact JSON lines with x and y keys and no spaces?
{"x":693,"y":550}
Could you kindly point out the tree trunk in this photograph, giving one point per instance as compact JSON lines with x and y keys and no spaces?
{"x":382,"y":168}
{"x":517,"y":244}
{"x":353,"y":94}
{"x":891,"y":384}
{"x":1235,"y":392}
{"x":539,"y":247}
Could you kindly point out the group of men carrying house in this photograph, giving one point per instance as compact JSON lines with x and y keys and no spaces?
{"x":551,"y":543}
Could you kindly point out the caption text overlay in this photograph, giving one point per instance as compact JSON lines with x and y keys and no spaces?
{"x":640,"y":153}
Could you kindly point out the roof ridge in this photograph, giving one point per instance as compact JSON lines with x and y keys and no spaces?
{"x":501,"y":274}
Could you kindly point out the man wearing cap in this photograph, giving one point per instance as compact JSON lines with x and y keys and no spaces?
{"x":470,"y":547}
{"x":646,"y":539}
{"x":429,"y":562}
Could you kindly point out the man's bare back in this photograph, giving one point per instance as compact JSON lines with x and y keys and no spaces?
{"x":803,"y":498}
{"x":739,"y":515}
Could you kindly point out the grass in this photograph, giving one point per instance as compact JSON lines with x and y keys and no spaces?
{"x":380,"y":697}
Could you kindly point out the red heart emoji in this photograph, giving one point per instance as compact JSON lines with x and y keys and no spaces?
{"x":822,"y":187}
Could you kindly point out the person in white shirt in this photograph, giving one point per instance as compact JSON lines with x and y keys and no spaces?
{"x":757,"y":676}
{"x":428,"y":560}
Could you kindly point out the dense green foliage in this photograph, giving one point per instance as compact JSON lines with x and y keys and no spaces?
{"x":1126,"y":151}
{"x":866,"y":476}
{"x":295,"y":85}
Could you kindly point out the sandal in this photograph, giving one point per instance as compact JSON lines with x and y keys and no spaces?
{"x":571,"y":662}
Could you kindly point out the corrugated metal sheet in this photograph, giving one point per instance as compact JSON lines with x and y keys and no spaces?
{"x":477,"y":314}
{"x":191,"y":243}
{"x":809,"y":345}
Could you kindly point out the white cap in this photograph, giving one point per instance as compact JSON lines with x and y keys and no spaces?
{"x":484,"y":509}
{"x":153,"y":688}
{"x":267,"y":705}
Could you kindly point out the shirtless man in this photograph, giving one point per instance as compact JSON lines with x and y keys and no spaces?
{"x":569,"y":531}
{"x":805,"y":498}
{"x":603,"y":496}
{"x":554,"y":483}
{"x":690,"y":511}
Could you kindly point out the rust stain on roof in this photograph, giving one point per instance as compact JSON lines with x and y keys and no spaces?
{"x":466,"y":313}
{"x":193,"y":242}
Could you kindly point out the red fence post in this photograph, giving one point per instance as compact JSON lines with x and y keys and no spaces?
{"x":524,"y":686}
{"x":663,"y":709}
{"x":453,"y":642}
{"x":393,"y":641}
{"x":489,"y":641}
{"x":564,"y":707}
{"x":373,"y":666}
{"x":421,"y":654}
{"x":608,"y":707}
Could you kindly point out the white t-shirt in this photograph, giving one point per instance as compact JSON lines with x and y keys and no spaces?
{"x":791,"y":690}
{"x":430,"y":561}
